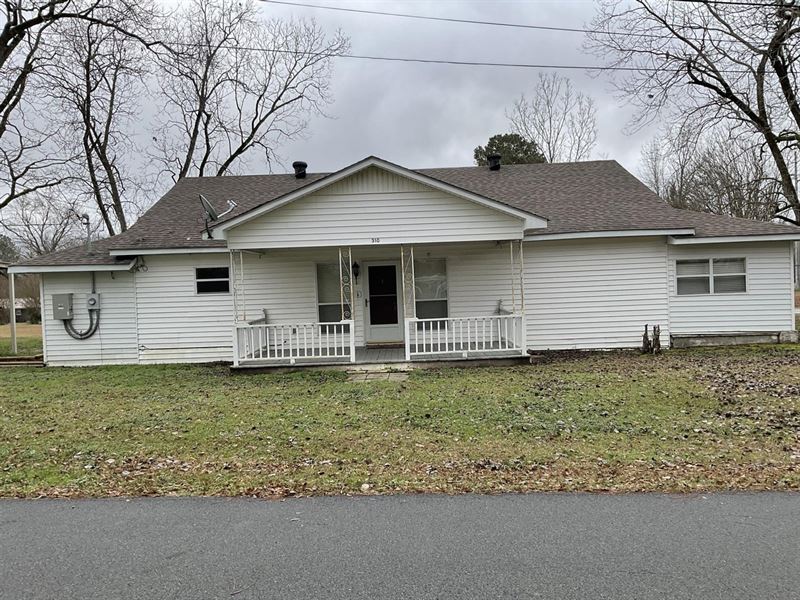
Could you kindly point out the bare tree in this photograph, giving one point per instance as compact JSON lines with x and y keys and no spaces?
{"x":670,"y":162}
{"x":560,"y":120}
{"x":236,"y":83}
{"x":716,"y":172}
{"x":42,"y":223}
{"x":733,"y":62}
{"x":25,"y":47}
{"x":28,"y":162}
{"x":94,"y":85}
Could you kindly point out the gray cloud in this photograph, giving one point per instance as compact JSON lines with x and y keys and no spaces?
{"x":434,"y":115}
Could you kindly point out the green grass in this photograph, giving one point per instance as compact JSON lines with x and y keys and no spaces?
{"x":686,"y":420}
{"x":26,"y":346}
{"x":29,"y":339}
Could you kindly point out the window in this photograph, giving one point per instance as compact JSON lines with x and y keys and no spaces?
{"x":329,"y":299}
{"x":430,"y":288}
{"x":729,"y":275}
{"x":212,"y":280}
{"x":711,"y":276}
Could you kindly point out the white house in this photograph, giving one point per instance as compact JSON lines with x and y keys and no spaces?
{"x":378,"y":261}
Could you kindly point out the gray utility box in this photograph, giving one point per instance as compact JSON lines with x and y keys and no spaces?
{"x":62,"y":306}
{"x":93,"y":302}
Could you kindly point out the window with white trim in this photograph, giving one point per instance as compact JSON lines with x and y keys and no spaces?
{"x":430,"y":288}
{"x":711,"y":276}
{"x":329,"y":297}
{"x":212,"y":280}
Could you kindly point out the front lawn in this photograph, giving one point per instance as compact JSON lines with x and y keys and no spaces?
{"x":686,"y":420}
{"x":29,"y":339}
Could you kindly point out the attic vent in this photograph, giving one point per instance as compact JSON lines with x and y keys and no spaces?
{"x":494,"y":162}
{"x":299,"y":169}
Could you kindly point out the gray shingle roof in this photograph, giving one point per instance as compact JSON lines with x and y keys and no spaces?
{"x":588,"y":196}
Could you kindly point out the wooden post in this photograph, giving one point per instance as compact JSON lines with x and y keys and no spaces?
{"x":12,"y":310}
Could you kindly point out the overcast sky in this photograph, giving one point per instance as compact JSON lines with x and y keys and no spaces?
{"x":434,"y":115}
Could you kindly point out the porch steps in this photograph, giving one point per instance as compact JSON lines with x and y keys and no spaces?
{"x":358,"y":375}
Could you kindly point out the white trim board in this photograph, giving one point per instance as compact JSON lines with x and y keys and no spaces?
{"x":71,"y":268}
{"x":780,"y":237}
{"x":607,"y":234}
{"x":530,"y":220}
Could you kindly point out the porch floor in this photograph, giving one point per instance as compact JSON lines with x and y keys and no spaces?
{"x":391,"y":357}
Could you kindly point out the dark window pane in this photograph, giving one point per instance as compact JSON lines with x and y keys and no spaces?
{"x":213,"y":287}
{"x":432,"y":309}
{"x":693,"y":285}
{"x":730,"y":284}
{"x":728,"y":265}
{"x":330,"y":313}
{"x":430,"y":279}
{"x":328,"y":289}
{"x":692,"y":267}
{"x":382,"y":280}
{"x":383,"y":310}
{"x":212,"y":273}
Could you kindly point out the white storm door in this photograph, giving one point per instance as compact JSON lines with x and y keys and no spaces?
{"x":384,"y":322}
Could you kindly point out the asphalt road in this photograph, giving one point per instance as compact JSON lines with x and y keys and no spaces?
{"x":514,"y":546}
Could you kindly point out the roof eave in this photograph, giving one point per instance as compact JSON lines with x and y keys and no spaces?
{"x":178,"y":250}
{"x":127,"y":266}
{"x":731,"y":239}
{"x":617,"y":233}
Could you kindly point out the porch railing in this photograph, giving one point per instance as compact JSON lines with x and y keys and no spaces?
{"x":465,"y":336}
{"x":294,"y":341}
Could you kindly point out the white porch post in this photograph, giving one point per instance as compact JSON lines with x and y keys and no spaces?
{"x":513,"y":278}
{"x":523,"y":334}
{"x":521,"y":279}
{"x":346,"y":298}
{"x":409,"y":294}
{"x":517,"y":277}
{"x":242,"y":288}
{"x":12,"y":308}
{"x":235,"y":333}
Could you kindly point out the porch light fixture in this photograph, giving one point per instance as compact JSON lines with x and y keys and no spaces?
{"x":356,"y":270}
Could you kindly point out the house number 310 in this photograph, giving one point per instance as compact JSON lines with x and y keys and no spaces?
{"x":376,"y":240}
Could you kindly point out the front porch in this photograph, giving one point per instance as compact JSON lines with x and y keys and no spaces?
{"x":446,"y":304}
{"x":470,"y":338}
{"x":390,"y":359}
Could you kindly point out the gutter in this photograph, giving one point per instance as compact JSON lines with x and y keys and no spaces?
{"x":777,"y":237}
{"x":621,"y":233}
{"x":14,"y":269}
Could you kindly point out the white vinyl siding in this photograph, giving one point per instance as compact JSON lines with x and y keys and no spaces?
{"x":766,"y":305}
{"x":115,"y":340}
{"x":176,"y":324}
{"x":375,"y":207}
{"x":588,"y":294}
{"x":595,"y":293}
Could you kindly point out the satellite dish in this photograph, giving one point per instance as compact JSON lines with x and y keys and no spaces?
{"x":211,"y":212}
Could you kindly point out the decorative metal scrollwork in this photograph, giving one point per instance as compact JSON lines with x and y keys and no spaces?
{"x":345,"y":283}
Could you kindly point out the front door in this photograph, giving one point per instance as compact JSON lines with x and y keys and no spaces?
{"x":384,"y":322}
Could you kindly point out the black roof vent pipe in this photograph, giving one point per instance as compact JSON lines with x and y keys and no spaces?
{"x":494,"y":162}
{"x":299,"y":169}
